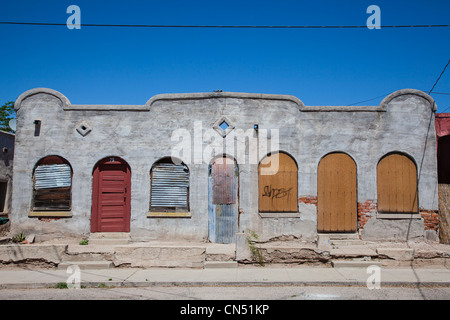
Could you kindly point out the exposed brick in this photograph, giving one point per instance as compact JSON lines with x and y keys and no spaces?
{"x":430,"y":218}
{"x":364,"y":208}
{"x":308,"y":200}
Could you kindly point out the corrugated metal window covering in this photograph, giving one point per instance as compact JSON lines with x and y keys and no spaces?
{"x":52,"y":187}
{"x":53,"y":176}
{"x":170,"y":186}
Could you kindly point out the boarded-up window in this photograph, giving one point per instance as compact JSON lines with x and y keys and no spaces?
{"x":169,"y":186}
{"x":52,"y":185}
{"x":277,"y":174}
{"x":397,"y":184}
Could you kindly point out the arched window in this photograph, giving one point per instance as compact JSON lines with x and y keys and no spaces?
{"x":169,"y":186}
{"x":52,"y":185}
{"x":277,"y":175}
{"x":397,"y":184}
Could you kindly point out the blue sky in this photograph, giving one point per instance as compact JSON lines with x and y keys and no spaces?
{"x":98,"y":65}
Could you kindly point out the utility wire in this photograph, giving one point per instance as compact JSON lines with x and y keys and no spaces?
{"x":383,"y":95}
{"x":445,"y":109}
{"x":440,"y":76}
{"x":441,"y":93}
{"x":220,"y":26}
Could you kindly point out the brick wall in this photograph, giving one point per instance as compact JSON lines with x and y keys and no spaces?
{"x":308,"y":200}
{"x":368,"y":208}
{"x":431,"y":219}
{"x":365,"y":211}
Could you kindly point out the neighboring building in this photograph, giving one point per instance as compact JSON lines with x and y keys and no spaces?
{"x":443,"y":156}
{"x":443,"y":136}
{"x":203,"y":166}
{"x":6,"y":172}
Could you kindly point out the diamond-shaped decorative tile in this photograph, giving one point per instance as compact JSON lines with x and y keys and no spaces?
{"x":223,"y":126}
{"x":83,"y":128}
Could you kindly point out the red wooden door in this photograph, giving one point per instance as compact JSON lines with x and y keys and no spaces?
{"x":111,"y":196}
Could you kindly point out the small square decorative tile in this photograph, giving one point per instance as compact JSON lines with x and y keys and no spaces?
{"x":83,"y":128}
{"x":223,"y":126}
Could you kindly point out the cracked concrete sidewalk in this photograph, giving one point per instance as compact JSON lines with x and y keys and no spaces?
{"x":246,"y":276}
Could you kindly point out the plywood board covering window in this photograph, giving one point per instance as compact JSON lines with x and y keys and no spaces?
{"x":277,"y":175}
{"x":397,"y":184}
{"x":52,"y":179}
{"x":169,"y":187}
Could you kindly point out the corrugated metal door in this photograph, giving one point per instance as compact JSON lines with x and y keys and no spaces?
{"x":277,"y":175}
{"x":111,"y":196}
{"x":169,"y":187}
{"x":223,"y":200}
{"x":336,"y":194}
{"x":397,"y":184}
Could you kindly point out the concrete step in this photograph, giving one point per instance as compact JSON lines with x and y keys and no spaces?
{"x":352,"y":251}
{"x":345,"y":242}
{"x":108,"y":242}
{"x":326,"y":240}
{"x":109,"y":235}
{"x":109,"y":238}
{"x":341,"y":236}
{"x":74,"y":249}
{"x":220,"y":252}
{"x":86,"y":265}
{"x":173,"y":255}
{"x":354,"y":263}
{"x":220,"y":264}
{"x":402,"y":254}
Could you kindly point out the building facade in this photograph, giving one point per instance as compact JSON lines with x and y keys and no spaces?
{"x":6,"y":174}
{"x":443,"y":160}
{"x":204,"y":166}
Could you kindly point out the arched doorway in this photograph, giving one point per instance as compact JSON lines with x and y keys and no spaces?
{"x":111,"y":195}
{"x":336,"y":194}
{"x":223,"y":200}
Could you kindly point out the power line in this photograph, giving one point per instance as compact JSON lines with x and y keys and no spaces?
{"x":221,"y":26}
{"x":441,"y":93}
{"x":445,"y":109}
{"x":352,"y":104}
{"x":440,"y":76}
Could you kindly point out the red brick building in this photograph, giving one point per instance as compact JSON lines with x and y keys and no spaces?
{"x":443,"y":146}
{"x":443,"y":162}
